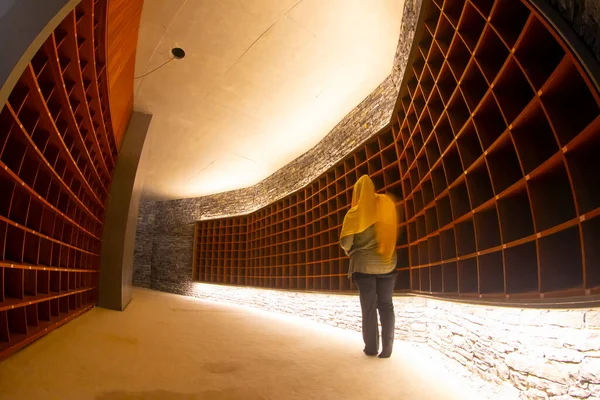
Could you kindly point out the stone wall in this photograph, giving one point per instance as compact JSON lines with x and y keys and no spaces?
{"x":584,"y":16}
{"x":545,"y":354}
{"x":143,"y":245}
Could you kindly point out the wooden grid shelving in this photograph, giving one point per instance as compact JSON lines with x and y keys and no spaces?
{"x":492,"y":155}
{"x":57,"y":156}
{"x":497,"y":115}
{"x":294,"y":242}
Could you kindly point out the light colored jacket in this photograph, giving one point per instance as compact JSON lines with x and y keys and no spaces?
{"x":364,"y":257}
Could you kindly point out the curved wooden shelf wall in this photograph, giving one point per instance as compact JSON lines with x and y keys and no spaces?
{"x":493,"y":157}
{"x":57,"y":156}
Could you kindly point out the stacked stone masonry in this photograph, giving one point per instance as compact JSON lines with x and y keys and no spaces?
{"x":143,"y":244}
{"x":584,"y":16}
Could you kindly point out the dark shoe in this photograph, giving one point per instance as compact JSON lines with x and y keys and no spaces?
{"x":369,"y":353}
{"x":387,"y":347}
{"x":386,"y":353}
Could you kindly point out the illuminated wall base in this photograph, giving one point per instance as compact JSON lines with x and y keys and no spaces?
{"x":546,"y":354}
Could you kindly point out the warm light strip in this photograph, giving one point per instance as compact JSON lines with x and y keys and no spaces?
{"x":539,"y":351}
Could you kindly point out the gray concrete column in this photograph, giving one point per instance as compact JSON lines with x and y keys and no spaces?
{"x":120,"y":221}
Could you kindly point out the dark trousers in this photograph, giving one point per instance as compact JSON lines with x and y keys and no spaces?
{"x":376,"y":294}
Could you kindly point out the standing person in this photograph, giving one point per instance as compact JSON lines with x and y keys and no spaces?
{"x":369,"y":237}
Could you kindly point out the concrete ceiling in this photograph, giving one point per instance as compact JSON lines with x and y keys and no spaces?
{"x":263,"y":81}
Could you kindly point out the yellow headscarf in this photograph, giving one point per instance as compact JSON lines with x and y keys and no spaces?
{"x":369,"y":208}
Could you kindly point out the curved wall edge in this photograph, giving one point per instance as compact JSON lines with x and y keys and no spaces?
{"x":581,"y":44}
{"x":583,"y":16}
{"x":118,"y":236}
{"x":27,"y":31}
{"x":366,"y":120}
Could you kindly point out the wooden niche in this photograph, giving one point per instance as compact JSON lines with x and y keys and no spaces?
{"x":492,"y":156}
{"x":57,"y":156}
{"x":293,"y":243}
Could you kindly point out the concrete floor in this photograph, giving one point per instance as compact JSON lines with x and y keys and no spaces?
{"x":171,"y":347}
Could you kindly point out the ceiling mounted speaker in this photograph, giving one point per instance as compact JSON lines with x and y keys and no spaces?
{"x":178,"y":52}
